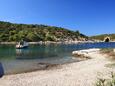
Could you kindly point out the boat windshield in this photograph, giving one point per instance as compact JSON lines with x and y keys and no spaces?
{"x":21,"y":43}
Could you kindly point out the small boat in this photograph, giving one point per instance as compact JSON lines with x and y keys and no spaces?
{"x":22,"y":45}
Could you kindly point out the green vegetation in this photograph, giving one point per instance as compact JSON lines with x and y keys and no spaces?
{"x":109,"y":52}
{"x":10,"y":32}
{"x":101,"y":37}
{"x":106,"y":82}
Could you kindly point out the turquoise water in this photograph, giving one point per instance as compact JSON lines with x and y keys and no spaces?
{"x":20,"y":60}
{"x":45,"y":53}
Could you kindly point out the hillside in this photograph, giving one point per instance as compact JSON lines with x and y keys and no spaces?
{"x":10,"y":32}
{"x":102,"y":36}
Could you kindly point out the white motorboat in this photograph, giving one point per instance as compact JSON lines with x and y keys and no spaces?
{"x":22,"y":44}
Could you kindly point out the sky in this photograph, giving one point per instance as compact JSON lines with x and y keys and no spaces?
{"x":90,"y":17}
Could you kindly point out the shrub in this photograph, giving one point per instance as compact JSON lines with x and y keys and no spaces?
{"x":106,"y":82}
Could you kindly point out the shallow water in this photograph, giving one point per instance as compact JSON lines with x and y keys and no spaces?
{"x":20,"y":60}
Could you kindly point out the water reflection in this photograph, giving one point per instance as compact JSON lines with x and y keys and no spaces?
{"x":36,"y":53}
{"x":1,"y":70}
{"x":20,"y":52}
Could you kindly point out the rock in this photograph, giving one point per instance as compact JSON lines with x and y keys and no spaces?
{"x":84,"y":53}
{"x":113,"y":50}
{"x":1,"y":70}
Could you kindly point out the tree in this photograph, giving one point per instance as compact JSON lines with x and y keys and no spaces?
{"x":34,"y":32}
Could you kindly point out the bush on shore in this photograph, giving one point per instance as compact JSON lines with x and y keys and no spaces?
{"x":106,"y":82}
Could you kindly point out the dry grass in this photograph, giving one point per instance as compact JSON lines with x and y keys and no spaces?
{"x":106,"y":82}
{"x":109,"y":52}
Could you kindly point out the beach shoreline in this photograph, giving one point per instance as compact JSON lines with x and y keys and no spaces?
{"x":82,"y":73}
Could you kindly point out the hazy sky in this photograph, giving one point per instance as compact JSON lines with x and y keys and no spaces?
{"x":90,"y":17}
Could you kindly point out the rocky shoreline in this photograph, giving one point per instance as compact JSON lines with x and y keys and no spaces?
{"x":52,"y":42}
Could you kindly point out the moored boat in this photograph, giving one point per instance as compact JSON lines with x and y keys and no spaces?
{"x":22,"y":45}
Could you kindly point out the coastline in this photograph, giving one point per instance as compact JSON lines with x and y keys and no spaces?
{"x":82,"y":73}
{"x":52,"y":42}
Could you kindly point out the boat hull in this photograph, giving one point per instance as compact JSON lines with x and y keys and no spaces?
{"x":22,"y":47}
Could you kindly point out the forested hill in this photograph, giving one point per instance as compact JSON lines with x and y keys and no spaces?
{"x":10,"y":32}
{"x":102,"y":36}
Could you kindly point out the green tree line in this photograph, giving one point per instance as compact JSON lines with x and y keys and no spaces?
{"x":10,"y":32}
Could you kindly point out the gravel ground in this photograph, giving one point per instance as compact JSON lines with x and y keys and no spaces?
{"x":82,"y":73}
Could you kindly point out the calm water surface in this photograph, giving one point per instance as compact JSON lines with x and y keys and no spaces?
{"x":19,"y":60}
